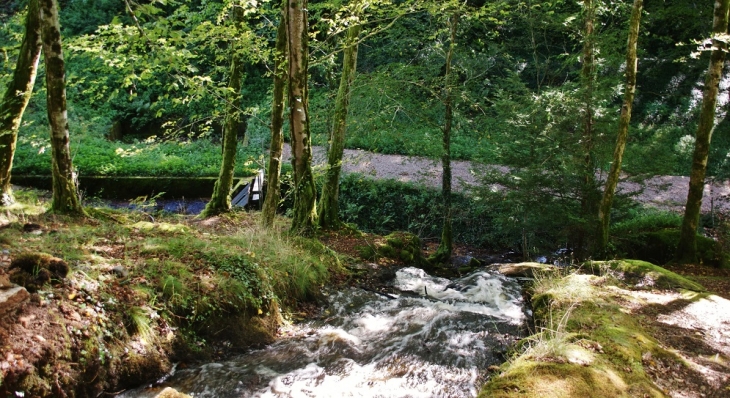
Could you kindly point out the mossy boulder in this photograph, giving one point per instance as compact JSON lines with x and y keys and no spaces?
{"x":644,"y":274}
{"x":588,"y":345}
{"x":33,"y":270}
{"x":659,"y":247}
{"x":404,"y":247}
{"x":527,"y":269}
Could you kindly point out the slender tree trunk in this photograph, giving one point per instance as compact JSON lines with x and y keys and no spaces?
{"x":604,"y":212}
{"x":329,"y":205}
{"x":305,"y":211}
{"x":220,"y":202}
{"x":271,"y":202}
{"x":588,"y":200}
{"x":687,"y":247}
{"x":17,"y":97}
{"x":445,"y":248}
{"x":65,"y":193}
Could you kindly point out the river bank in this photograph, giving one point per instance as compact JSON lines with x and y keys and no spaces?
{"x":141,"y":296}
{"x":137,"y":296}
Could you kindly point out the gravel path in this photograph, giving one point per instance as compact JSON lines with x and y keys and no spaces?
{"x":665,"y":192}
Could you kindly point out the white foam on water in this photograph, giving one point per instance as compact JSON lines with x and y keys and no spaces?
{"x":418,"y":379}
{"x":481,"y":293}
{"x":368,"y":345}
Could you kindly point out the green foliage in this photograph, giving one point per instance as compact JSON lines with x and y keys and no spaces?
{"x":646,"y":220}
{"x":97,"y":156}
{"x":652,"y":236}
{"x":386,"y":206}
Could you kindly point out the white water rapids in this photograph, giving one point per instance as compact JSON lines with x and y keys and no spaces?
{"x":435,"y":339}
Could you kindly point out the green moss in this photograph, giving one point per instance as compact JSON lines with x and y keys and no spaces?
{"x":558,"y":380}
{"x":647,"y":274}
{"x":405,"y":247}
{"x":367,"y":252}
{"x":588,"y":346}
{"x":387,"y":251}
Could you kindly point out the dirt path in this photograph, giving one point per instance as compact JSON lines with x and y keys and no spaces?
{"x":666,"y":192}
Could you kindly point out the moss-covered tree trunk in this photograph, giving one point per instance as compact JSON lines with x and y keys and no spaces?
{"x":305,"y":211}
{"x":445,"y":248}
{"x":17,"y":97}
{"x":65,"y":193}
{"x":604,"y":211}
{"x":271,"y":201}
{"x":588,"y":180}
{"x":329,"y":204}
{"x":220,"y":201}
{"x":687,"y":247}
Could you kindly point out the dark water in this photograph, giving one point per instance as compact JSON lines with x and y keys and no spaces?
{"x":435,"y":339}
{"x":177,"y":206}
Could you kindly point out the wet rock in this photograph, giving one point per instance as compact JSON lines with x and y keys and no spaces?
{"x":120,"y":271}
{"x":33,"y":228}
{"x":465,"y":261}
{"x":5,"y":282}
{"x":524,"y":269}
{"x":12,"y":298}
{"x":170,"y":392}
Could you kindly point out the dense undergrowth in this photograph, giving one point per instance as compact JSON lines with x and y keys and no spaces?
{"x":526,"y":222}
{"x":150,"y":292}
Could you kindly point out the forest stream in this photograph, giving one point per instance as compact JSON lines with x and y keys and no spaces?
{"x":433,"y":338}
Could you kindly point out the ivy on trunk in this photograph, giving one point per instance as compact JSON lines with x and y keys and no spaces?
{"x":65,"y":193}
{"x":17,"y":97}
{"x":687,"y":247}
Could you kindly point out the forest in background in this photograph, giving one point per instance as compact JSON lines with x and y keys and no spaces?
{"x":153,"y":76}
{"x":97,"y":300}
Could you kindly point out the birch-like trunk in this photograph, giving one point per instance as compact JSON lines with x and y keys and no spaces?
{"x":17,"y":97}
{"x":65,"y":193}
{"x":273,"y":194}
{"x":220,"y":201}
{"x":687,"y":247}
{"x":604,"y":211}
{"x":445,"y":248}
{"x":305,"y":212}
{"x":329,"y":204}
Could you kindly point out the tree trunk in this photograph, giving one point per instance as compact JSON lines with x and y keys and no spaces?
{"x":271,"y":202}
{"x":305,"y":212}
{"x":65,"y":193}
{"x":329,"y":205}
{"x":445,"y":248}
{"x":220,"y":202}
{"x":588,"y":196}
{"x":604,"y":212}
{"x":687,"y":247}
{"x":17,"y":97}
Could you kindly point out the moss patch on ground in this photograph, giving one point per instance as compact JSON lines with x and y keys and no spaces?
{"x":643,"y":274}
{"x":587,"y":344}
{"x":140,"y":295}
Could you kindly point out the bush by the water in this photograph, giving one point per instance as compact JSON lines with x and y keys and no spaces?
{"x":652,"y":236}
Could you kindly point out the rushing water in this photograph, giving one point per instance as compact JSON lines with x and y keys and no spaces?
{"x":434,"y":339}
